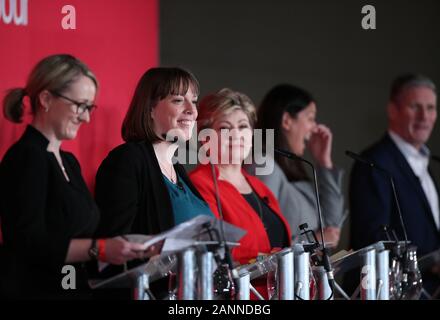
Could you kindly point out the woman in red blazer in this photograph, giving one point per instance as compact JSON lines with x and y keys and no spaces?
{"x":227,"y":118}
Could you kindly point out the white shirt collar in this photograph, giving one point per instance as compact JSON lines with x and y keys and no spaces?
{"x":408,"y":150}
{"x":418,"y":159}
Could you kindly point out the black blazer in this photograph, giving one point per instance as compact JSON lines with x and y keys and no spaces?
{"x":40,"y":213}
{"x":372,"y":204}
{"x":131,"y":193}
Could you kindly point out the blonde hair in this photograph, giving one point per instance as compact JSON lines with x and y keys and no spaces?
{"x":54,"y":73}
{"x":222,"y":102}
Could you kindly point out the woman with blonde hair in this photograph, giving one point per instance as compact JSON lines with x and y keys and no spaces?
{"x":246,"y":202}
{"x":48,"y":216}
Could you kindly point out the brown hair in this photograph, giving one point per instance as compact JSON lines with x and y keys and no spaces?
{"x":156,"y":84}
{"x":54,"y":73}
{"x":221,"y":102}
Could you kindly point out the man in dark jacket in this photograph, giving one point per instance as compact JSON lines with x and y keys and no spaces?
{"x":412,"y":113}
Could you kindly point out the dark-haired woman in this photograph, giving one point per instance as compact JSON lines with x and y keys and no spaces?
{"x":291,"y":112}
{"x":138,"y":188}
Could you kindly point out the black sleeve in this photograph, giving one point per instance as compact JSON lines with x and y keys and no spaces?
{"x":117,"y":192}
{"x":25,"y":189}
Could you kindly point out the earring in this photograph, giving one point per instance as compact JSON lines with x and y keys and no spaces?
{"x":46,"y":109}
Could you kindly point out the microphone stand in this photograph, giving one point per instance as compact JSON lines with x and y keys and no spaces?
{"x":325,"y":253}
{"x":360,"y":159}
{"x":227,"y":261}
{"x":400,"y":255}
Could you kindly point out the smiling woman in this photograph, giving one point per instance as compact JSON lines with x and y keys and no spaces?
{"x":291,"y":112}
{"x":48,"y":215}
{"x":246,"y":202}
{"x":138,"y":188}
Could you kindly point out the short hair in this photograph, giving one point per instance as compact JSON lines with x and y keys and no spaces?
{"x":54,"y":73}
{"x":222,"y":102}
{"x":409,"y":80}
{"x":156,"y":84}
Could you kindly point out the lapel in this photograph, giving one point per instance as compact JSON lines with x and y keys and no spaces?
{"x":157,"y":188}
{"x":262,"y":194}
{"x":75,"y":181}
{"x":404,"y":168}
{"x":433,"y":170}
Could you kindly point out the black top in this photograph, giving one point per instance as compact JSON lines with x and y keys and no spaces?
{"x":40,"y":213}
{"x":272,"y":223}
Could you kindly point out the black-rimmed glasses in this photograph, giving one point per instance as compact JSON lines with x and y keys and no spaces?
{"x":81,"y":107}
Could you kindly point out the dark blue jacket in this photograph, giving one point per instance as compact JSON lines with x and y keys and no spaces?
{"x":372,"y":204}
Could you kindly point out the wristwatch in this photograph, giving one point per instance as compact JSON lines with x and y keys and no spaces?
{"x":93,"y":251}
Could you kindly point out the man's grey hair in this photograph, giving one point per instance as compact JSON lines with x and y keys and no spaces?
{"x":408,"y":80}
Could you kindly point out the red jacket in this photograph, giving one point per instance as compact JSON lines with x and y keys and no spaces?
{"x":237,"y":211}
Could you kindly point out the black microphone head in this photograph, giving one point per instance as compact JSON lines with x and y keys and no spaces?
{"x":435,"y":157}
{"x":285,"y":153}
{"x":361,"y":159}
{"x":303,"y":226}
{"x":350,"y":153}
{"x":292,"y":156}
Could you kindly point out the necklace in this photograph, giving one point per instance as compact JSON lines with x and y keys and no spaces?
{"x":168,"y":174}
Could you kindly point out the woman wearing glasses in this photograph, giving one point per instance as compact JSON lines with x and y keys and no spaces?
{"x":48,"y":215}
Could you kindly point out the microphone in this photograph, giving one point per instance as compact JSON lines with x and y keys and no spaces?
{"x":389,"y":176}
{"x":223,"y":243}
{"x":435,"y":158}
{"x":325,"y":257}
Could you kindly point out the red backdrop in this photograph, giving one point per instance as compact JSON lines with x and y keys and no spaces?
{"x":117,"y":39}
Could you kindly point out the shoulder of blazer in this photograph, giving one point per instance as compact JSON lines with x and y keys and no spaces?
{"x":257,"y":184}
{"x":201,"y":173}
{"x":384,"y":153}
{"x":25,"y":152}
{"x":127,"y":154}
{"x":387,"y":154}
